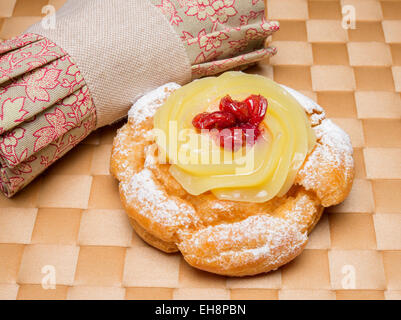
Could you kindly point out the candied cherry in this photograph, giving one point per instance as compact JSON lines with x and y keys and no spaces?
{"x":239,"y":109}
{"x":257,"y":106}
{"x":215,"y":120}
{"x":237,"y":122}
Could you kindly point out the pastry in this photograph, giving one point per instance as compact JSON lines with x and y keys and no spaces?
{"x":232,"y":171}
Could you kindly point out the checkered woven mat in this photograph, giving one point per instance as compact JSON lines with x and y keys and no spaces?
{"x":354,"y":253}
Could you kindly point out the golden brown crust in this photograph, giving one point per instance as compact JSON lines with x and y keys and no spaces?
{"x":257,"y":244}
{"x":168,"y":247}
{"x":331,"y":183}
{"x":225,"y":237}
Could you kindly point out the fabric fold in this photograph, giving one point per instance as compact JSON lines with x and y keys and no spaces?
{"x":37,"y":88}
{"x":28,"y":58}
{"x":18,"y":42}
{"x":240,"y":62}
{"x":45,"y":128}
{"x":221,"y":31}
{"x":14,"y":179}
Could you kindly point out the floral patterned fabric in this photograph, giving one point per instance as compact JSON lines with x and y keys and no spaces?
{"x":14,"y":179}
{"x":220,"y":34}
{"x":45,"y":86}
{"x":46,"y":107}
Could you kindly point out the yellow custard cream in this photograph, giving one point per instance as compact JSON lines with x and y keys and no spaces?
{"x":253,"y":173}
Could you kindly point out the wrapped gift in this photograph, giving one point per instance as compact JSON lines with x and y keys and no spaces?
{"x":59,"y":83}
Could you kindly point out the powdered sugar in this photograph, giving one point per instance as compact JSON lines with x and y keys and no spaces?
{"x":256,"y":238}
{"x":333,"y":136}
{"x":150,"y":156}
{"x":335,"y":145}
{"x":147,"y":106}
{"x":218,"y":205}
{"x":315,"y":112}
{"x":301,"y":213}
{"x":153,"y":202}
{"x":332,"y":153}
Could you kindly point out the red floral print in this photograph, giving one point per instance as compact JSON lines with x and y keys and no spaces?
{"x":253,"y":15}
{"x":13,"y":105}
{"x":58,"y":127}
{"x":209,"y":41}
{"x":215,"y":67}
{"x":224,"y":34}
{"x":45,"y":72}
{"x":75,"y":107}
{"x":84,"y":102}
{"x":184,"y":3}
{"x":218,"y":11}
{"x":168,"y":9}
{"x":17,"y":42}
{"x":9,"y":144}
{"x":242,"y":44}
{"x":71,"y":139}
{"x":39,"y":82}
{"x":25,"y":167}
{"x":202,"y":58}
{"x":76,"y":75}
{"x":15,"y":182}
{"x":28,"y":58}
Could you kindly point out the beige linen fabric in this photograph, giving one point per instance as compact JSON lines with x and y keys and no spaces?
{"x":106,"y":48}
